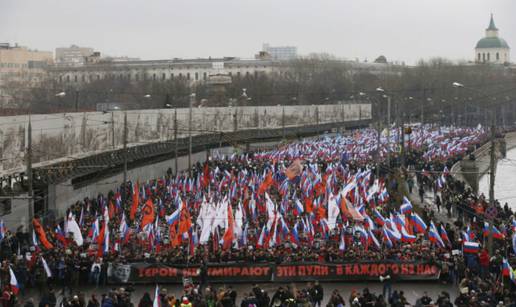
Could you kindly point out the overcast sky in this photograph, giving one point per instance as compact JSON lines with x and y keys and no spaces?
{"x":403,"y":30}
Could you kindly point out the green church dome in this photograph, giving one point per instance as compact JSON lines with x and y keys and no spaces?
{"x":492,"y":42}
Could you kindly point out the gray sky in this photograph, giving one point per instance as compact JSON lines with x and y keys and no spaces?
{"x":404,"y":30}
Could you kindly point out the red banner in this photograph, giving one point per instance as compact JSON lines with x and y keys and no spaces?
{"x":268,"y":272}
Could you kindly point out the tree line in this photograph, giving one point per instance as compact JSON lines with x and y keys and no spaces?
{"x":420,"y":92}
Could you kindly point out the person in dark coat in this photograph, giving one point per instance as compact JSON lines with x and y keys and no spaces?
{"x":145,"y":301}
{"x":317,"y":294}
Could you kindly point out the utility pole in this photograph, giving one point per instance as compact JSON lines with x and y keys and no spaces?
{"x":388,"y":131}
{"x":402,"y":141}
{"x":378,"y":148}
{"x":175,"y":140}
{"x":76,"y":101}
{"x":125,"y":153}
{"x":30,"y":191}
{"x":113,"y":130}
{"x":235,"y":121}
{"x":283,"y":122}
{"x":492,"y":166}
{"x":192,"y":99}
{"x":423,"y":101}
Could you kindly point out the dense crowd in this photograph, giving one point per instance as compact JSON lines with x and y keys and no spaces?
{"x":322,"y":200}
{"x":226,"y":296}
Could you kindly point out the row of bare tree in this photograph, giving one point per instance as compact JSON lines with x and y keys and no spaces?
{"x":420,"y":92}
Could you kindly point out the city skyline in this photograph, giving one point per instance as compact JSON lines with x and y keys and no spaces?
{"x":163,"y":30}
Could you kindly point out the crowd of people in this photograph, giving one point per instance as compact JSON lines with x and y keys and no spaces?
{"x":332,"y":199}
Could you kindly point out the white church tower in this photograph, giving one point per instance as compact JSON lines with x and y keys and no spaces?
{"x":491,"y":48}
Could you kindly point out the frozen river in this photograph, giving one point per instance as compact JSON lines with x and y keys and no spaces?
{"x":505,"y":180}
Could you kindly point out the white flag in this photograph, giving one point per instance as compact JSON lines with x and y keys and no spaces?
{"x":73,"y":227}
{"x":45,"y":266}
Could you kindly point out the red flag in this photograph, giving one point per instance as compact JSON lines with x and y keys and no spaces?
{"x":134,"y":207}
{"x":309,"y":205}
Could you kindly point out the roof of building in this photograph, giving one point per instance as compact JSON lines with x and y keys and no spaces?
{"x":492,"y":42}
{"x":492,"y":26}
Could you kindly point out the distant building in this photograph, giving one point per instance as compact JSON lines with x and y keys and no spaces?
{"x":23,"y":65}
{"x":191,"y":70}
{"x":119,"y":59}
{"x":280,"y":53}
{"x":491,"y":48}
{"x":73,"y":55}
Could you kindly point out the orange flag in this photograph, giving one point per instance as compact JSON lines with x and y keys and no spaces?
{"x":148,"y":214}
{"x":136,"y":200}
{"x":206,"y":175}
{"x":185,"y":222}
{"x":174,"y":238}
{"x":264,"y":186}
{"x":229,"y":234}
{"x":111,"y":209}
{"x":41,"y":234}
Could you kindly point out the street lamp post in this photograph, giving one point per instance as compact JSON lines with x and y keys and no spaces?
{"x":492,"y":167}
{"x":381,"y":90}
{"x":192,"y":99}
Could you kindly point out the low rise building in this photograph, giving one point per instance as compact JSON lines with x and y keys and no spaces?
{"x":192,"y":70}
{"x":23,"y":66}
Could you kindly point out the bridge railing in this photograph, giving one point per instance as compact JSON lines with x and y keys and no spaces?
{"x":64,"y":137}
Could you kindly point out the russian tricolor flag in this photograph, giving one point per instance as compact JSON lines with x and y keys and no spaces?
{"x":419,"y":224}
{"x":95,"y":230}
{"x":406,"y":237}
{"x":299,"y":207}
{"x":506,"y":268}
{"x":444,"y":236}
{"x":157,"y":299}
{"x":470,"y":247}
{"x":106,"y":241}
{"x":386,"y":239}
{"x":261,"y":239}
{"x":379,"y":219}
{"x":433,"y":235}
{"x":295,"y":233}
{"x":496,"y":233}
{"x":174,"y":217}
{"x":406,"y":206}
{"x":15,"y":288}
{"x":373,"y":239}
{"x":514,"y":243}
{"x":2,"y":230}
